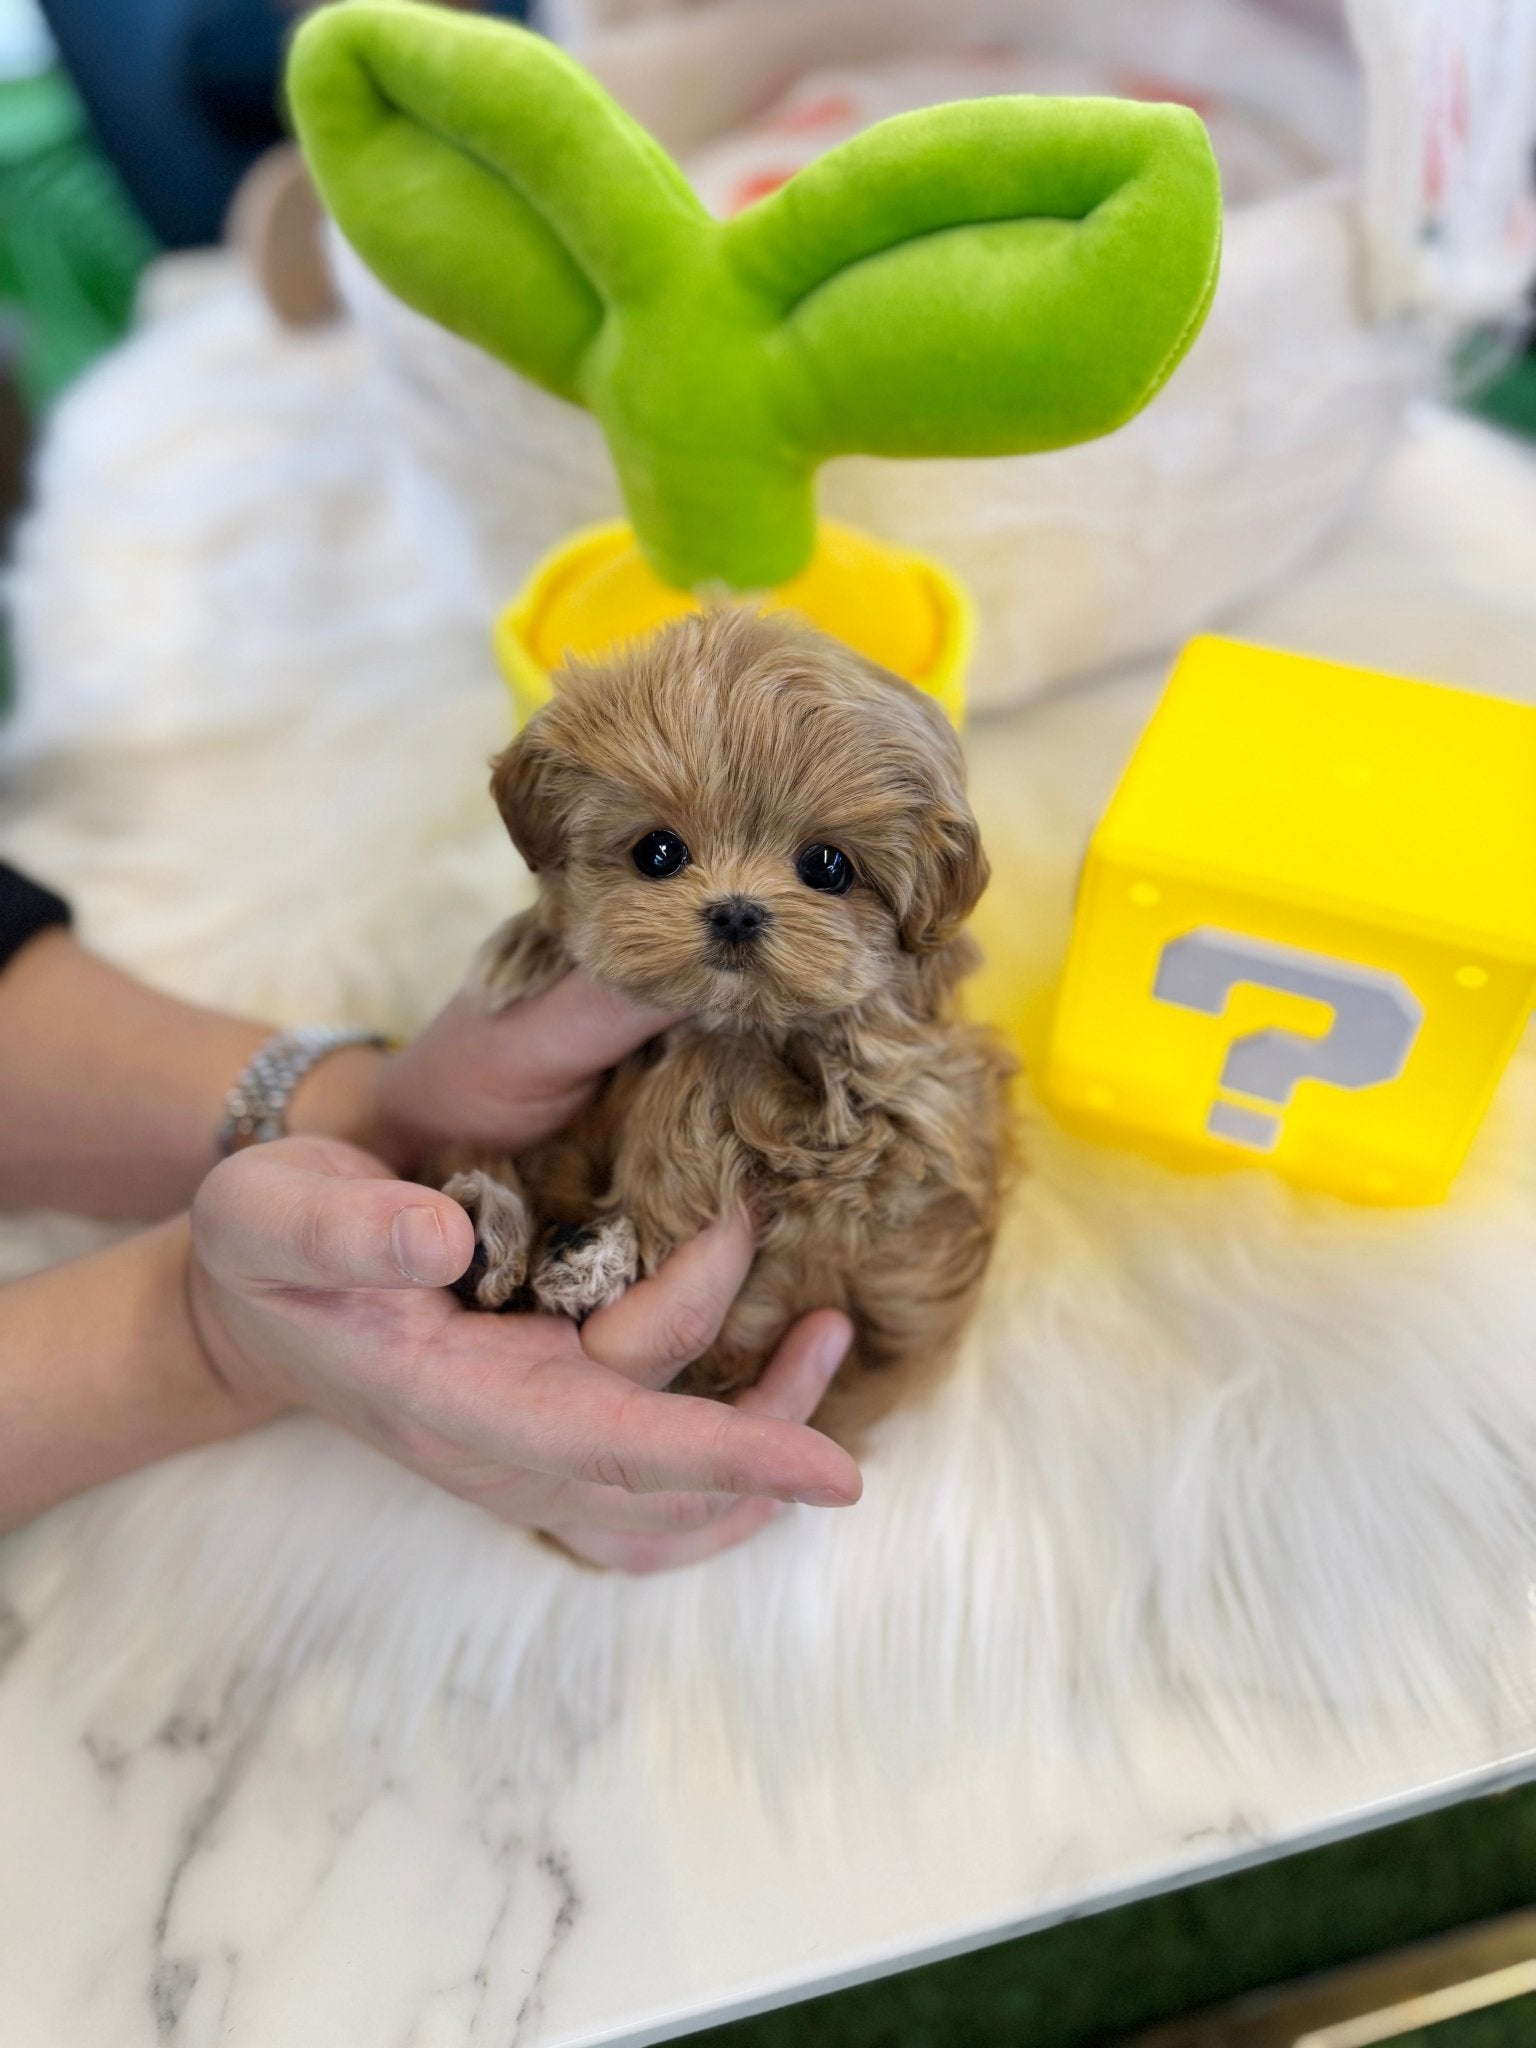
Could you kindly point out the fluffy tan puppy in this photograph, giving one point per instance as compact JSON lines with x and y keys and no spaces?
{"x":743,"y":820}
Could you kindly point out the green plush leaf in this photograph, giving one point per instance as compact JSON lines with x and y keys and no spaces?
{"x":485,"y":177}
{"x":987,"y":278}
{"x":978,"y":279}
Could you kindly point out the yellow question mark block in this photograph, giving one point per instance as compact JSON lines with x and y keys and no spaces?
{"x":1306,"y":927}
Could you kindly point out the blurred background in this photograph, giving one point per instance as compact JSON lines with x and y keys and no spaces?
{"x":125,"y":130}
{"x":1376,"y":250}
{"x":1379,"y":183}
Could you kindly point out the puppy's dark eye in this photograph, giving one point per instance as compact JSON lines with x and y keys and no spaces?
{"x":659,"y":854}
{"x":826,"y":868}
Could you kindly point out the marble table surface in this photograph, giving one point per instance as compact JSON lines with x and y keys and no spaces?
{"x":232,"y":1880}
{"x":239,"y":1878}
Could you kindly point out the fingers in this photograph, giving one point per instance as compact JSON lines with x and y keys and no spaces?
{"x":573,"y":1419}
{"x":575,"y":1031}
{"x":624,"y":1550}
{"x":509,"y":1077}
{"x":309,"y":1213}
{"x":662,"y":1532}
{"x":801,"y":1370}
{"x":661,"y":1325}
{"x":790,"y":1390}
{"x":579,"y":1421}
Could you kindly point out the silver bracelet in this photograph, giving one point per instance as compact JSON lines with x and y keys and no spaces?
{"x":256,"y":1108}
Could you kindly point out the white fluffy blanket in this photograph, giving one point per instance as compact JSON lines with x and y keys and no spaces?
{"x":1211,"y":1434}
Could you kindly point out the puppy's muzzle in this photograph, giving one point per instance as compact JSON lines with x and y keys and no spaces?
{"x":735,"y":924}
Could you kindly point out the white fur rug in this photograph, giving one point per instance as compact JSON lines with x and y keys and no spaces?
{"x":1209,"y":1434}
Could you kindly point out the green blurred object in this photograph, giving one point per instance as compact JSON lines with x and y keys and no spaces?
{"x":1094,"y":1980}
{"x":71,"y":245}
{"x":1493,"y":376}
{"x":1500,"y":2026}
{"x":1510,"y":401}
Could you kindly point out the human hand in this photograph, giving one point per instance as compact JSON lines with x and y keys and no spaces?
{"x":317,"y":1282}
{"x":502,"y":1080}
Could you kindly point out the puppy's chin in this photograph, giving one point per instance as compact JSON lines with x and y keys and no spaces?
{"x":749,"y":997}
{"x":758,"y":992}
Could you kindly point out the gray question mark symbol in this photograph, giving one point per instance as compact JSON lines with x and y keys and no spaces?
{"x":1376,"y":1019}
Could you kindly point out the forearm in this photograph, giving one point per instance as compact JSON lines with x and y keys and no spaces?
{"x":111,"y":1093}
{"x":101,"y":1371}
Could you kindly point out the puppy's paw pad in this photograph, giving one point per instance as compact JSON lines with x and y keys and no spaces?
{"x":503,"y":1236}
{"x":586,"y":1266}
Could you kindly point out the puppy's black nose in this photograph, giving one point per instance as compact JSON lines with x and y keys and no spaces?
{"x":736,"y":920}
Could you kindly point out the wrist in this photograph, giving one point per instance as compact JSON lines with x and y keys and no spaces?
{"x":343,"y":1096}
{"x":106,"y":1372}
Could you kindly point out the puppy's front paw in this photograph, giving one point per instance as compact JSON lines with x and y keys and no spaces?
{"x":586,"y":1266}
{"x":503,"y":1239}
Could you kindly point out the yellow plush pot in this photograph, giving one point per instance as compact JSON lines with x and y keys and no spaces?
{"x":596,"y":591}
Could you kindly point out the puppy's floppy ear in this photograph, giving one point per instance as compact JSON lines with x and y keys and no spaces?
{"x":941,"y":869}
{"x":532,"y":784}
{"x":949,"y":873}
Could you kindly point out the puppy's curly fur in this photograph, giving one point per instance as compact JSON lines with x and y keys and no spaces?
{"x":825,"y":1079}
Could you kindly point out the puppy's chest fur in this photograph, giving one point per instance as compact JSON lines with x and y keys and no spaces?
{"x":870,"y":1152}
{"x":704,"y":1119}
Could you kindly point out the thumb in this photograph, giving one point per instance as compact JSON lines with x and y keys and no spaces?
{"x":301,"y":1213}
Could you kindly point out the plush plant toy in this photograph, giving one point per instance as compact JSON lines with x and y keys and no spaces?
{"x":984,"y":278}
